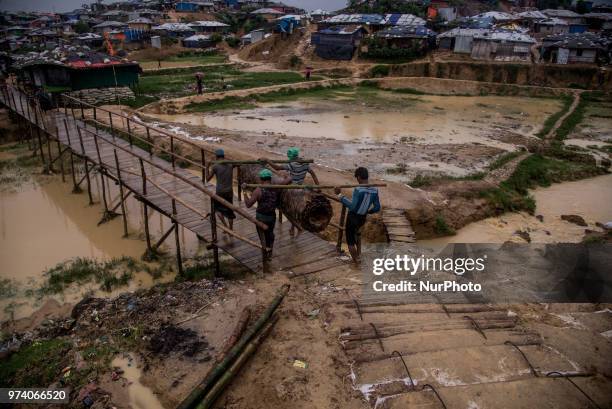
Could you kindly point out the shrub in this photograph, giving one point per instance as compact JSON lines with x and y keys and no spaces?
{"x":232,"y":41}
{"x":380,"y":71}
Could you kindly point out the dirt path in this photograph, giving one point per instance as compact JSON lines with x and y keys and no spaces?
{"x":502,"y":173}
{"x":169,"y":66}
{"x":550,"y":136}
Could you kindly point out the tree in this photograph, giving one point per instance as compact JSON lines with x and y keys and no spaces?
{"x":81,"y":27}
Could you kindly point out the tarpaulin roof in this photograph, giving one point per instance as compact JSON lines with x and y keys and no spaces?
{"x":405,"y":32}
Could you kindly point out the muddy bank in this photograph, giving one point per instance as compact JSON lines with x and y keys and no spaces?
{"x":543,"y":75}
{"x":589,"y":198}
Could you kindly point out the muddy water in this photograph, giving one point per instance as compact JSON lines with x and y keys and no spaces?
{"x":430,"y":119}
{"x":590,"y":198}
{"x":140,"y":396}
{"x":43,"y":224}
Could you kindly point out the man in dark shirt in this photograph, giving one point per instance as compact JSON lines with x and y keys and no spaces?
{"x":267,"y":202}
{"x":224,"y":176}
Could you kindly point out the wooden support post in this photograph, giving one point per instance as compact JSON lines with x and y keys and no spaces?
{"x":67,"y":133}
{"x":101,"y":175}
{"x":75,"y":187}
{"x":123,"y":211}
{"x":163,"y":237}
{"x":172,"y":152}
{"x":82,"y":111}
{"x":95,"y":114}
{"x":149,"y":254}
{"x":239,"y":178}
{"x":213,"y":234}
{"x":179,"y":259}
{"x":110,"y":121}
{"x":86,"y":166}
{"x":341,"y":231}
{"x":61,"y":160}
{"x":203,"y":163}
{"x":129,"y":132}
{"x":40,"y":145}
{"x":150,"y":141}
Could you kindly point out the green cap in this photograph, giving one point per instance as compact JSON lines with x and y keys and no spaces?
{"x":293,"y":153}
{"x":265,"y":174}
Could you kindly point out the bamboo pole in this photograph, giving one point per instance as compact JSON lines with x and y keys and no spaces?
{"x":213,"y":234}
{"x":200,"y":391}
{"x":311,"y":187}
{"x":219,"y":199}
{"x":229,"y":375}
{"x":122,"y":197}
{"x":179,"y":258}
{"x":259,"y":162}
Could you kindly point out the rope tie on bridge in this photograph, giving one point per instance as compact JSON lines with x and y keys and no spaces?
{"x":412,"y":385}
{"x":560,"y":375}
{"x":475,"y":325}
{"x":377,"y":336}
{"x":531,"y":368}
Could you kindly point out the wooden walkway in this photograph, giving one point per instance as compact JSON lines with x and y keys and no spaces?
{"x":398,"y":226}
{"x":162,"y":181}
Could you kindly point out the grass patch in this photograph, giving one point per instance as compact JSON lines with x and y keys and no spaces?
{"x":503,"y":159}
{"x":441,"y":227}
{"x":426,"y":180}
{"x":108,"y":274}
{"x":220,"y":78}
{"x":140,"y":100}
{"x":572,"y":120}
{"x":8,"y":288}
{"x":566,"y":101}
{"x":36,"y":365}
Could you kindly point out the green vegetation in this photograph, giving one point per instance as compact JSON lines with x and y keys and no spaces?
{"x":385,"y":6}
{"x":504,"y":158}
{"x":38,"y":364}
{"x":109,"y":274}
{"x":380,"y":71}
{"x":538,"y":170}
{"x":441,"y":227}
{"x":181,"y":82}
{"x":8,"y":288}
{"x":425,"y":180}
{"x":367,"y":92}
{"x":552,"y":120}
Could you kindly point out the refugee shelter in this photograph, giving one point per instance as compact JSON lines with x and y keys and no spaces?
{"x":198,"y":41}
{"x":209,"y":27}
{"x":459,"y":40}
{"x":415,"y":37}
{"x":338,"y":42}
{"x":573,"y":48}
{"x":577,"y":23}
{"x":194,"y":6}
{"x":502,"y":46}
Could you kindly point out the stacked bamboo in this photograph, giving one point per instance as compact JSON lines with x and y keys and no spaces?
{"x":215,"y":382}
{"x":307,"y":209}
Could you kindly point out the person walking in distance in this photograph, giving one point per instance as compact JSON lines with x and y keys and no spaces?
{"x":199,"y":83}
{"x":364,"y":201}
{"x":223,"y":172}
{"x":297,"y":174}
{"x":267,"y":202}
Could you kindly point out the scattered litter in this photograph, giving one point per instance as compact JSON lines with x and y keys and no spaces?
{"x":300,"y":364}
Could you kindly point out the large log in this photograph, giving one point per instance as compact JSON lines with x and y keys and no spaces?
{"x":308,"y":209}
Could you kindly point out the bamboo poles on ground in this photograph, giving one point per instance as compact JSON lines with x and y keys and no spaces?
{"x":227,"y":365}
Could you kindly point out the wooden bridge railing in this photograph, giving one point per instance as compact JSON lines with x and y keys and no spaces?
{"x":28,"y":107}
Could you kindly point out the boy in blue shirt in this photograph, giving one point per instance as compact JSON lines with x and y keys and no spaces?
{"x":364,"y":201}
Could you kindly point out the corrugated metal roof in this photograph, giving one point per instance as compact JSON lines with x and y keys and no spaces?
{"x":495,"y":15}
{"x":266,"y":11}
{"x":405,"y":32}
{"x":173,"y":27}
{"x":204,"y":23}
{"x":402,"y":20}
{"x":560,"y":13}
{"x":462,"y":32}
{"x":355,"y":19}
{"x":505,"y":36}
{"x":532,"y":14}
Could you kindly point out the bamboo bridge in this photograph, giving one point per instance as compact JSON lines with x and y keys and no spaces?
{"x":134,"y":163}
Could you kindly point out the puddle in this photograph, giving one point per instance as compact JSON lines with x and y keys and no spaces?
{"x":589,"y":198}
{"x":140,"y":396}
{"x":429,"y":119}
{"x":44,"y":224}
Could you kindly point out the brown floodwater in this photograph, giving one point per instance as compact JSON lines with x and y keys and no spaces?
{"x":140,"y":396}
{"x":43,"y":224}
{"x":431,"y":119}
{"x":589,"y":198}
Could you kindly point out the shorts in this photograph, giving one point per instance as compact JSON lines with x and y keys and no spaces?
{"x":225,"y":211}
{"x":354,"y":223}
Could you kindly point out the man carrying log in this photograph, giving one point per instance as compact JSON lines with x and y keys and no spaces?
{"x":297,"y":174}
{"x":267,"y":202}
{"x":224,"y":173}
{"x":364,"y":201}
